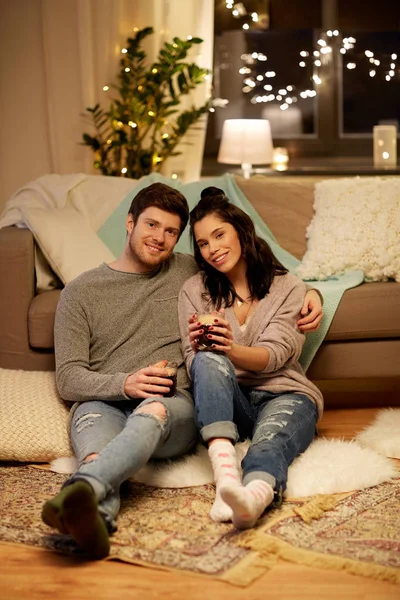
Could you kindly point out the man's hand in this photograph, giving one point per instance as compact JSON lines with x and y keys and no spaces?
{"x":311,"y":312}
{"x":150,"y":381}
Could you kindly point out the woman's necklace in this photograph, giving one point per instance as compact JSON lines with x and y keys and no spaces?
{"x":241,"y":302}
{"x":243,"y":313}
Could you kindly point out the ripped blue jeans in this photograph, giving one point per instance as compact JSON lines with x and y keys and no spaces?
{"x":125,"y":440}
{"x":280,"y":426}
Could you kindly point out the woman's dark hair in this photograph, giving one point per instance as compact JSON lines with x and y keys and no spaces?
{"x":161,"y":196}
{"x":262,"y":265}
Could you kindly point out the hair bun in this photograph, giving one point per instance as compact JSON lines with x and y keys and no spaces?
{"x":212,"y":192}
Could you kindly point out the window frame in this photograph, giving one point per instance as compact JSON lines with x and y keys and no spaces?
{"x":328,"y":138}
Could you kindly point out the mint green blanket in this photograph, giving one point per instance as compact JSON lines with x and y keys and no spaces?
{"x":112,"y":233}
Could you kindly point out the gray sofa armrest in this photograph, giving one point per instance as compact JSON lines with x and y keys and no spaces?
{"x":17,"y":285}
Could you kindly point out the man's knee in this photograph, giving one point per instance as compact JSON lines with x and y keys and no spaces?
{"x":90,"y":457}
{"x":157,"y":409}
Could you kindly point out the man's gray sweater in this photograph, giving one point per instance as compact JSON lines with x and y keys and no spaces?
{"x":110,"y":324}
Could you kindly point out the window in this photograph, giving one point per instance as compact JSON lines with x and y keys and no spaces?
{"x":259,"y":73}
{"x":369,"y":82}
{"x":318,"y":88}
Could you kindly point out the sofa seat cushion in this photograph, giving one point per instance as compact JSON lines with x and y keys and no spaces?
{"x":285,"y":205}
{"x":41,"y":315}
{"x":368,"y":311}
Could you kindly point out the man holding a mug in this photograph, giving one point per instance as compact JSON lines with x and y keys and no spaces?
{"x":117,"y":347}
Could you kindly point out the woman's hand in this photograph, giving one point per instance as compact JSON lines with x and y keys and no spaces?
{"x":194,"y":331}
{"x":220,"y":333}
{"x":311,"y":312}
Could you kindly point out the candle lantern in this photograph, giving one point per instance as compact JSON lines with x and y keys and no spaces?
{"x":280,"y":159}
{"x":385,"y":146}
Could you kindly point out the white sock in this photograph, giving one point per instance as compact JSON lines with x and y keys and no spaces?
{"x":220,"y":512}
{"x":227,"y":476}
{"x":248,"y":502}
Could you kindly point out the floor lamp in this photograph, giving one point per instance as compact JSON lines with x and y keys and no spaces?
{"x":246,"y":142}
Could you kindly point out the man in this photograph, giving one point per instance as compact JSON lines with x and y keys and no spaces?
{"x":116,"y":328}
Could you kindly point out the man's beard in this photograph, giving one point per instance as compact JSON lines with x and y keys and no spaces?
{"x":142,"y":256}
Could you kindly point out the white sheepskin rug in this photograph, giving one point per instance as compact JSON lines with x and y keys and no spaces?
{"x":327,"y":467}
{"x":335,"y":466}
{"x":383,"y":435}
{"x":188,"y":471}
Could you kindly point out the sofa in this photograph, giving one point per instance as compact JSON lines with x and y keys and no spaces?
{"x":359,"y":359}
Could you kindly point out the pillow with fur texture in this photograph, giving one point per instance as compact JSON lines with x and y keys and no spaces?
{"x":356,"y":225}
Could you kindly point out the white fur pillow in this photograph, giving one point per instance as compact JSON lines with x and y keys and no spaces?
{"x":356,"y":226}
{"x":33,"y":418}
{"x":383,"y":435}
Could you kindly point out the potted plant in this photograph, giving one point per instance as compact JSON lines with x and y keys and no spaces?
{"x":144,"y":123}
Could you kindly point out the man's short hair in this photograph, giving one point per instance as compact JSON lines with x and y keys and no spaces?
{"x":161,"y":196}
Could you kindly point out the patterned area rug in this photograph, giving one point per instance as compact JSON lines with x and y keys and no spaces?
{"x":359,"y":533}
{"x":170,"y":529}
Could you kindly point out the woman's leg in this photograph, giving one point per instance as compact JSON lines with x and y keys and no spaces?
{"x":218,"y":403}
{"x":284,"y":429}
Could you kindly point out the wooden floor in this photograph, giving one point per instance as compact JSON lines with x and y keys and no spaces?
{"x":33,"y":573}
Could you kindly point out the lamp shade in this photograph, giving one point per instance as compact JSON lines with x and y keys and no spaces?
{"x":246,"y":141}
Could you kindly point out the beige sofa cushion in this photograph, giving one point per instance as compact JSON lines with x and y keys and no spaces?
{"x":67,"y":241}
{"x":286,"y":206}
{"x":41,"y":319}
{"x":347,"y":360}
{"x":368,"y":311}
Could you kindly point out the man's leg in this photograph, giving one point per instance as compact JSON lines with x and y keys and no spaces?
{"x":162,"y":427}
{"x":219,"y":404}
{"x":159,"y":427}
{"x":285,"y":428}
{"x":180,"y":433}
{"x":75,"y":509}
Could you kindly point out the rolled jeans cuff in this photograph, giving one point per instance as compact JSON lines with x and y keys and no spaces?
{"x":221,"y":429}
{"x":267,"y":477}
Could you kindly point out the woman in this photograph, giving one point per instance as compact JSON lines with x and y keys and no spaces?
{"x":250,"y":383}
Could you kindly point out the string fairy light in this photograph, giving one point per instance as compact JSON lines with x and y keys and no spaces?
{"x":319,"y":56}
{"x":239,"y":11}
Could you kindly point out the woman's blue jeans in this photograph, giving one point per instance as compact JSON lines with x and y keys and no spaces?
{"x":280,"y":426}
